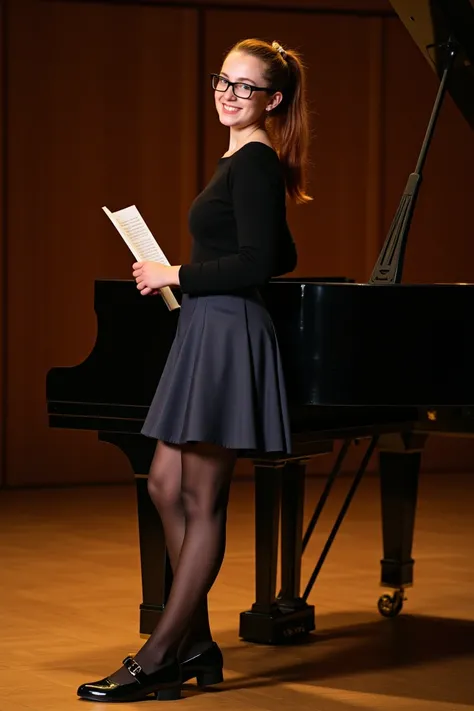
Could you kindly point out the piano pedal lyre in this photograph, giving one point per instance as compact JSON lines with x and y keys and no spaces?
{"x":390,"y":605}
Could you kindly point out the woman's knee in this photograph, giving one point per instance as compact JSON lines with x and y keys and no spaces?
{"x":164,"y":477}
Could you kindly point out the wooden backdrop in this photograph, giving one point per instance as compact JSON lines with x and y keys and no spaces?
{"x":110,"y":104}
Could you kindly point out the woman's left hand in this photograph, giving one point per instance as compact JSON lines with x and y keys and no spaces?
{"x":151,"y":276}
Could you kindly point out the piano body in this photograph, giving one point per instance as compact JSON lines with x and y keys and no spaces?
{"x":391,"y":387}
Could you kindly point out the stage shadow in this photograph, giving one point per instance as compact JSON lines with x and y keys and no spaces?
{"x":427,"y":658}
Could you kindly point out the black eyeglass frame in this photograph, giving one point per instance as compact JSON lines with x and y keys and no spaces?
{"x":233,"y":83}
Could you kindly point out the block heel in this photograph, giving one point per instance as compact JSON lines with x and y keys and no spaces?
{"x":206,"y":667}
{"x":210,"y":677}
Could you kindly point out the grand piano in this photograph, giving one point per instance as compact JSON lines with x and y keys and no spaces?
{"x":388,"y":388}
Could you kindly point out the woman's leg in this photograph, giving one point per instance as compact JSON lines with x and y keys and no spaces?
{"x":205,"y":483}
{"x":164,"y":487}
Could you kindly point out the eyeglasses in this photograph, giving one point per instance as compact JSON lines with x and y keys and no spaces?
{"x":240,"y":90}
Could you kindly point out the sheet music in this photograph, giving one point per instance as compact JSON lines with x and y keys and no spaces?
{"x":135,"y":233}
{"x":138,"y":233}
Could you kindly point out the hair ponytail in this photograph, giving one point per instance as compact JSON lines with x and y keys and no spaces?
{"x":288,"y":123}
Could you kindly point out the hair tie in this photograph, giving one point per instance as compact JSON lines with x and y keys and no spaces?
{"x":279,"y":48}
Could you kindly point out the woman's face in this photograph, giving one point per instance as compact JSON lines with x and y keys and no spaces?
{"x":240,"y":112}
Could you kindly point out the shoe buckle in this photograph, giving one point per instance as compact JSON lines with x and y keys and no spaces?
{"x":133,"y":667}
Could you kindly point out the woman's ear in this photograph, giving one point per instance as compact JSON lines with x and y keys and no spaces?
{"x":275,"y":100}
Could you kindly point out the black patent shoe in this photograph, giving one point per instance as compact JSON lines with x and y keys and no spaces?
{"x":205,"y":667}
{"x":164,"y":683}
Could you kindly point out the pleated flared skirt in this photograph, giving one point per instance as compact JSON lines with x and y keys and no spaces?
{"x":223,"y":381}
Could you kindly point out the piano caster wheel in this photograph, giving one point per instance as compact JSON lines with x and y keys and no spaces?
{"x":391,"y":605}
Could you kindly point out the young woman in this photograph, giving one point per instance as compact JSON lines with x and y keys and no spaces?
{"x":222,"y":391}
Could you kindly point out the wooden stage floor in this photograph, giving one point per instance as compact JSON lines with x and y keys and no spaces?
{"x":70,"y":590}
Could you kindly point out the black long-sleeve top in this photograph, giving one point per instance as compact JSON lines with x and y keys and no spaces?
{"x":238,"y":222}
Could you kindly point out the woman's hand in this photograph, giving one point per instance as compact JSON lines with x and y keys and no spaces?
{"x":153,"y":276}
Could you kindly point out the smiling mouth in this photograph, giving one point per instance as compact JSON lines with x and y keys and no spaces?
{"x":231,"y":109}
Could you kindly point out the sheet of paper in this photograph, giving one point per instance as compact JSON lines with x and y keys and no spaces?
{"x":139,"y":235}
{"x":141,"y":242}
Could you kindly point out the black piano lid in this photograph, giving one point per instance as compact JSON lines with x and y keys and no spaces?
{"x":431,"y":23}
{"x":342,"y":344}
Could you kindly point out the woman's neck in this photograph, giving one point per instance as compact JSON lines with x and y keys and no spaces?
{"x":239,"y":137}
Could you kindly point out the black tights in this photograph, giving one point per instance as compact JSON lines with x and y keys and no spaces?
{"x":190,"y":488}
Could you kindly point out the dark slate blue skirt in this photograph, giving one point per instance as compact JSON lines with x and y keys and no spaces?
{"x":223,"y":381}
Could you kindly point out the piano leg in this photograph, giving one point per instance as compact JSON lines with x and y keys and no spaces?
{"x":292,"y":508}
{"x":292,"y":511}
{"x":271,"y":620}
{"x":400,"y":459}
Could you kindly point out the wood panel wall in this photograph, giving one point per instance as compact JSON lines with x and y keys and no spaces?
{"x":110,"y":104}
{"x":101,"y":111}
{"x":346,"y":7}
{"x":2,"y":239}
